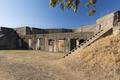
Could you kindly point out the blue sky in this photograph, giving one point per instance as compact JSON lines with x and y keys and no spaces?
{"x":38,"y":13}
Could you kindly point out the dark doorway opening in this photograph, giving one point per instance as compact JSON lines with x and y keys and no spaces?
{"x":72,"y":44}
{"x":51,"y":45}
{"x":81,"y":41}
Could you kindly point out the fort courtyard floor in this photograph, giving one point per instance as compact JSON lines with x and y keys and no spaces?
{"x":33,"y":65}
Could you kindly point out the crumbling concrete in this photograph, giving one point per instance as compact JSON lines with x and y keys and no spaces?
{"x":56,"y":40}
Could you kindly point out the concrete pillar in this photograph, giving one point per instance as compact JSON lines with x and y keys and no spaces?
{"x":30,"y":43}
{"x":38,"y":44}
{"x":46,"y":44}
{"x":77,"y":42}
{"x":20,"y":43}
{"x":42,"y":44}
{"x":55,"y":45}
{"x":67,"y":45}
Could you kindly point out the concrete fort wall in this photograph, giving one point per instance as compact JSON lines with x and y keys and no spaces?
{"x":105,"y":22}
{"x":56,"y":40}
{"x":30,"y":30}
{"x":47,"y":31}
{"x":108,"y":21}
{"x":116,"y":29}
{"x":86,"y":28}
{"x":8,"y":38}
{"x":27,"y":30}
{"x":23,"y":30}
{"x":53,"y":42}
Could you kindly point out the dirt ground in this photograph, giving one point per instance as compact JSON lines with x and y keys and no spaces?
{"x":33,"y":65}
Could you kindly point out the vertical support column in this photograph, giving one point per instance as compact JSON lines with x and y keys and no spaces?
{"x":42,"y":44}
{"x":55,"y":45}
{"x":46,"y":44}
{"x":30,"y":43}
{"x":77,"y":43}
{"x":38,"y":44}
{"x":67,"y":44}
{"x":20,"y":43}
{"x":57,"y":48}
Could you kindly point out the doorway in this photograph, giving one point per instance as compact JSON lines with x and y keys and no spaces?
{"x":72,"y":44}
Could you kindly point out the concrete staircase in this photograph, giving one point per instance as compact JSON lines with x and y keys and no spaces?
{"x":1,"y":35}
{"x":88,"y":41}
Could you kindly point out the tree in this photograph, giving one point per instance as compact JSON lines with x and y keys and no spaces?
{"x":74,"y":4}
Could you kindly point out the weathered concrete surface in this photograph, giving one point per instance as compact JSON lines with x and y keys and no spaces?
{"x":9,"y":39}
{"x":38,"y":39}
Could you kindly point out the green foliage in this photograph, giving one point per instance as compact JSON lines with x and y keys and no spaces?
{"x":74,"y":4}
{"x":53,"y":3}
{"x":91,"y":12}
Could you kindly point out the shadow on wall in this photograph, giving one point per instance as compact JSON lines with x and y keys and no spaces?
{"x":9,"y":40}
{"x":22,"y":44}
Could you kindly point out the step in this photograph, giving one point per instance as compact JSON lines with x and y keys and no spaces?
{"x":1,"y":35}
{"x":89,"y":41}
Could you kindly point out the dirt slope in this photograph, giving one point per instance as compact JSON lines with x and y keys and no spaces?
{"x":99,"y":61}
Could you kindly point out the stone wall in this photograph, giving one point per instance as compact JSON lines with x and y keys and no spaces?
{"x":55,"y":42}
{"x":30,"y":30}
{"x":86,"y":28}
{"x":8,"y":38}
{"x":105,"y":22}
{"x":23,"y":30}
{"x":47,"y":31}
{"x":116,"y":29}
{"x":37,"y":31}
{"x":116,"y":18}
{"x":111,"y":20}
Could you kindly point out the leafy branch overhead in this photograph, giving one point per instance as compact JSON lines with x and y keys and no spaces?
{"x":74,"y":4}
